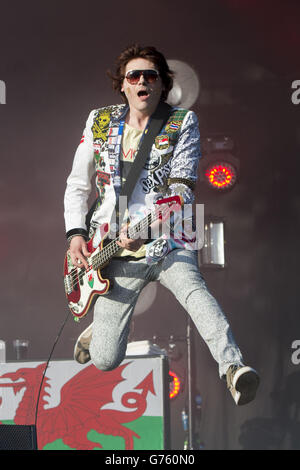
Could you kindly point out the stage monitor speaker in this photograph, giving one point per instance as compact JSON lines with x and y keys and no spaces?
{"x":18,"y":437}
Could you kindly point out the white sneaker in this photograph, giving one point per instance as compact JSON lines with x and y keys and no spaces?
{"x":81,"y":349}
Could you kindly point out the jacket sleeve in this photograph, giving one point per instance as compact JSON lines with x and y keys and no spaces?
{"x":79,"y":183}
{"x":185,"y":160}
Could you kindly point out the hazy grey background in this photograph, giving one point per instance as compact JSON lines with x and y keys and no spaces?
{"x":53,"y":59}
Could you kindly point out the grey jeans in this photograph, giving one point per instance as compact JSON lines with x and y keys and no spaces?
{"x":178,"y":272}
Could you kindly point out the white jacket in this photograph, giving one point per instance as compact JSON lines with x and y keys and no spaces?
{"x":170,"y":169}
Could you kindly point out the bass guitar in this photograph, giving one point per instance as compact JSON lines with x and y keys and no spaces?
{"x":83,"y":286}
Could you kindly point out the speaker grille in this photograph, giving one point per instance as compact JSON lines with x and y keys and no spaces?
{"x":17,"y":437}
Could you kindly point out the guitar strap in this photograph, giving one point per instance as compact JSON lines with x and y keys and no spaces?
{"x":158,"y":119}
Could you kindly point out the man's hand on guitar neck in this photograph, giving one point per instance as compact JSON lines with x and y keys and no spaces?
{"x":134,"y":244}
{"x":79,"y":252}
{"x":129,"y":243}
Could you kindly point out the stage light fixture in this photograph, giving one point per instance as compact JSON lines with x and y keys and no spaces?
{"x":221,"y":175}
{"x":175,"y":385}
{"x":219,"y":168}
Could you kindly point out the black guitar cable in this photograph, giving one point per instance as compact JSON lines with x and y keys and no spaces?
{"x":47,"y":365}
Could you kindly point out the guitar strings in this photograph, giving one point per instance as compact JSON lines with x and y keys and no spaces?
{"x":111,"y":248}
{"x":100,"y":258}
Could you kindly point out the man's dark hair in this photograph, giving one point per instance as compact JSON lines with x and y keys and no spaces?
{"x":150,"y":53}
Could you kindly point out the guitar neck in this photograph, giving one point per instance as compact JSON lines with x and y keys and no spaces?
{"x":104,"y":255}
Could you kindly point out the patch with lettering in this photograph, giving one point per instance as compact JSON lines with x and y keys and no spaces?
{"x":157,"y":178}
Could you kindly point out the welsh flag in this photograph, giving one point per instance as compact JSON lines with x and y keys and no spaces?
{"x":84,"y":408}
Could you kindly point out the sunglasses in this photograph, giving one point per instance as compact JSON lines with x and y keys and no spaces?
{"x":133,"y":76}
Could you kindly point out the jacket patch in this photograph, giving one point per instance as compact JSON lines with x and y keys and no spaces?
{"x":101,"y":125}
{"x":103,"y":178}
{"x":154,"y":161}
{"x":157,"y":178}
{"x":99,"y":159}
{"x":162,"y":142}
{"x":172,"y":126}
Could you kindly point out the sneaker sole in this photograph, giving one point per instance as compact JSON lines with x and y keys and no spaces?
{"x":245,"y":384}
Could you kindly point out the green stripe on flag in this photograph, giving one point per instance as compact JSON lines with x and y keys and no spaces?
{"x":149,"y":428}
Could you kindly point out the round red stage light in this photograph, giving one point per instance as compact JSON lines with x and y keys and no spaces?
{"x":221,"y":175}
{"x":175,"y":385}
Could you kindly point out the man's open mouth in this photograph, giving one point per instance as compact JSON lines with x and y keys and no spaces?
{"x":143,"y":94}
